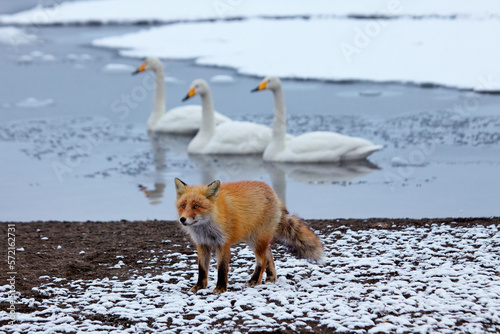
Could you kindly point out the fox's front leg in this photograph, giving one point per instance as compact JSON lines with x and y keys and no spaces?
{"x":203,"y":264}
{"x":223,"y":257}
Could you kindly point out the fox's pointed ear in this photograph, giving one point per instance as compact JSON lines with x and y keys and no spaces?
{"x":180,"y":187}
{"x":213,"y":190}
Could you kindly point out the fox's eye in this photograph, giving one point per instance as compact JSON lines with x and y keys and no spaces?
{"x":196,"y":206}
{"x":183,"y":206}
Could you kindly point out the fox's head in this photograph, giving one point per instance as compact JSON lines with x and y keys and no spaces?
{"x":194,"y":203}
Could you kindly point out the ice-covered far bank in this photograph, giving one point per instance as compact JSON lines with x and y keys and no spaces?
{"x":141,"y":11}
{"x":454,"y":53}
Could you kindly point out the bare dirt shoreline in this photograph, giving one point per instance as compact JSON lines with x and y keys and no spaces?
{"x":86,"y":250}
{"x":61,"y":255}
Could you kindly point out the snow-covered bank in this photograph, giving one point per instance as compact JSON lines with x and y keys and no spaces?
{"x":140,"y":11}
{"x":443,"y":42}
{"x":432,"y":279}
{"x":455,"y":53}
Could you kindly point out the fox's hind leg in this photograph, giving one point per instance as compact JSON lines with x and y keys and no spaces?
{"x":261,"y":262}
{"x":270,"y":269}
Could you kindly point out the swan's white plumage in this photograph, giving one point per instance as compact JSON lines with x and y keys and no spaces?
{"x":178,"y":120}
{"x":313,"y":146}
{"x":235,"y":138}
{"x":322,"y":147}
{"x":231,"y":137}
{"x":181,"y":120}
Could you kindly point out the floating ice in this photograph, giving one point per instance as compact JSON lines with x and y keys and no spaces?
{"x":401,"y":162}
{"x":36,"y":56}
{"x":118,"y":68}
{"x":32,"y":102}
{"x":37,"y":53}
{"x":25,"y":59}
{"x":370,"y":93}
{"x":15,"y":36}
{"x":48,"y":58}
{"x":222,"y":78}
{"x":78,"y":57}
{"x":170,"y":79}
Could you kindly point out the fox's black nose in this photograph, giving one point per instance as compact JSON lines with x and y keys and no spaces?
{"x":182,"y":220}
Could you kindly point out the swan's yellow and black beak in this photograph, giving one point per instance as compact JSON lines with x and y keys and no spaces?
{"x":141,"y":68}
{"x":189,"y":95}
{"x":261,"y":86}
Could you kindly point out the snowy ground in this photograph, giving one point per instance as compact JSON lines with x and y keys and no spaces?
{"x":437,"y":278}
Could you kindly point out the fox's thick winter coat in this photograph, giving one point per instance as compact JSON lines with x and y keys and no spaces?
{"x":219,"y":215}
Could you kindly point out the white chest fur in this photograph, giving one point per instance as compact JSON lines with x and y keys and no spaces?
{"x":205,"y":232}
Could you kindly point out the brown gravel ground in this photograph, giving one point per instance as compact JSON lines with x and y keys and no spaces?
{"x":60,"y":255}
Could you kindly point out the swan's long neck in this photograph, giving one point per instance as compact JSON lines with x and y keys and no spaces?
{"x":279,"y":121}
{"x":207,"y":127}
{"x":159,"y":99}
{"x":208,"y":114}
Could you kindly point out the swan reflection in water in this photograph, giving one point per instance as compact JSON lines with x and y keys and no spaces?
{"x":228,"y":168}
{"x":160,"y":144}
{"x":316,"y":174}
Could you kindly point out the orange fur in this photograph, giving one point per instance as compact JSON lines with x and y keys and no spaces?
{"x":219,"y":215}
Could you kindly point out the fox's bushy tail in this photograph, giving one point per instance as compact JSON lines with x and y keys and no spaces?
{"x":297,"y":236}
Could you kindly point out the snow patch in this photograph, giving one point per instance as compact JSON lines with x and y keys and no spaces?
{"x":283,"y":48}
{"x":118,"y":265}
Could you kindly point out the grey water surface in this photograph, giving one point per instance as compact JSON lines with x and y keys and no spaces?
{"x":74,"y":145}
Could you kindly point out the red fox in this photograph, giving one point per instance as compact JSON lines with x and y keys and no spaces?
{"x":219,"y":215}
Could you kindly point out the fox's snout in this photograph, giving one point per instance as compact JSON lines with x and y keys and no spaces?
{"x":188,"y":221}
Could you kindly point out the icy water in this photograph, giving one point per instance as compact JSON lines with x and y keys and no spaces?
{"x":74,"y":144}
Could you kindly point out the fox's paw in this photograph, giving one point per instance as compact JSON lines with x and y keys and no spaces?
{"x":220,"y":289}
{"x":271,"y":279}
{"x":196,"y":288}
{"x":252,"y":283}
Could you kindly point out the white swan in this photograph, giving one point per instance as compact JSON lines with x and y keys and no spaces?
{"x":319,"y":146}
{"x":179,"y":120}
{"x":230,"y":137}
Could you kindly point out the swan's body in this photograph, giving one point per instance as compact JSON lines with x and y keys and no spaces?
{"x":179,"y":120}
{"x":319,"y":146}
{"x":231,"y":137}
